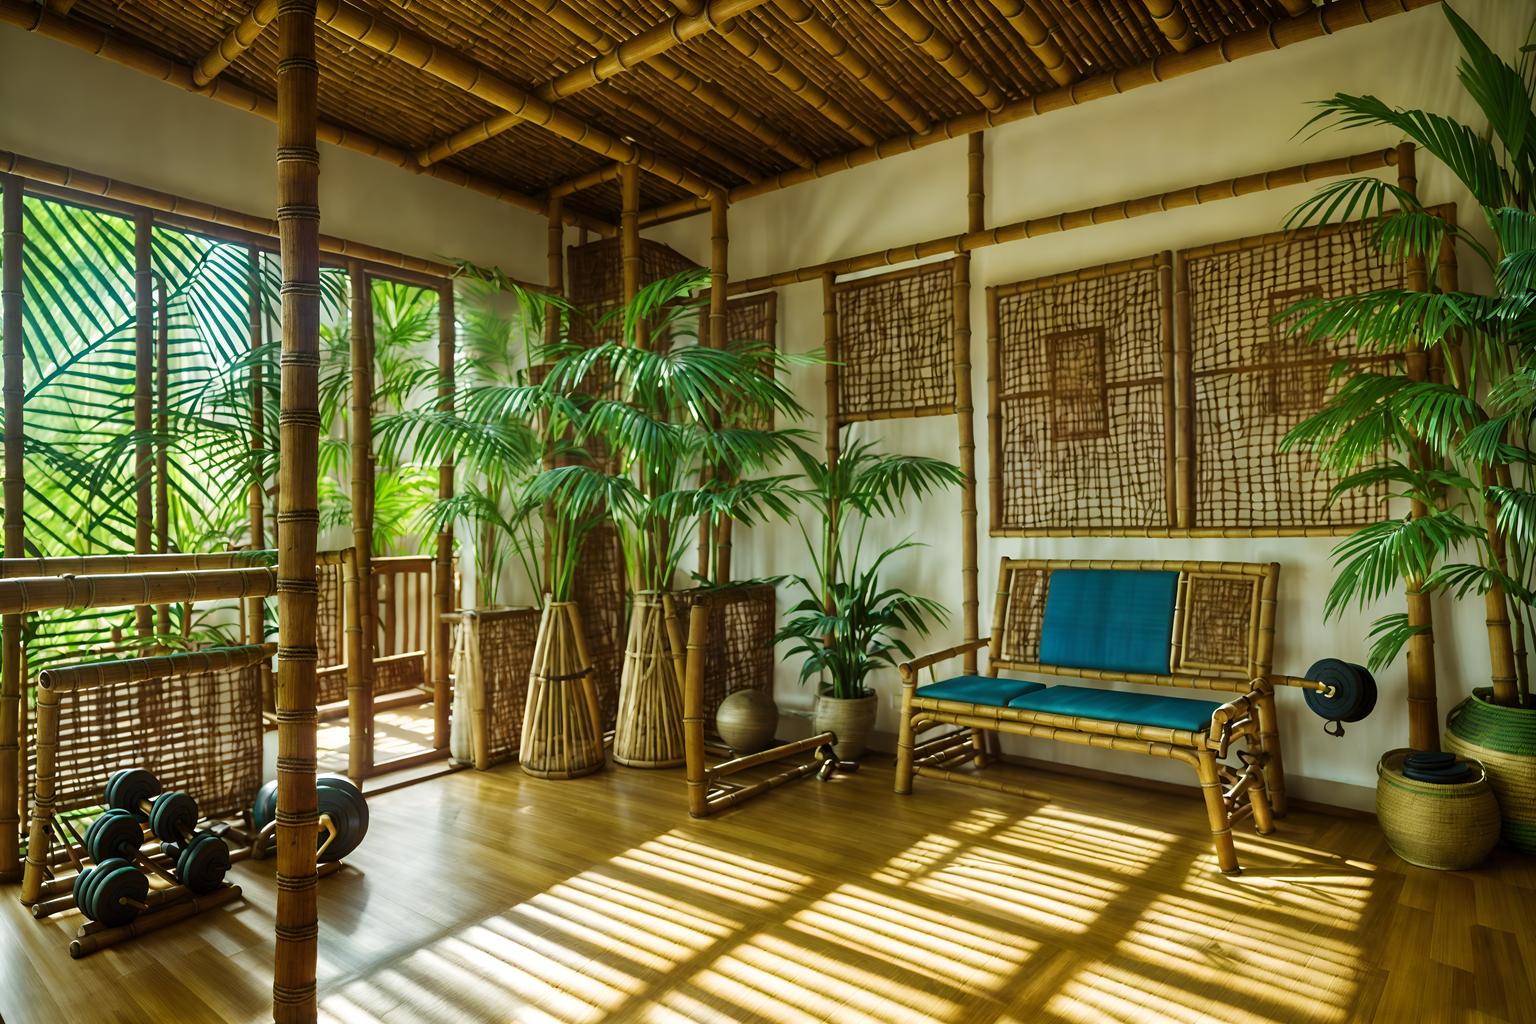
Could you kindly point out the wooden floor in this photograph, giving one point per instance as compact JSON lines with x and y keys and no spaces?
{"x":496,"y":897}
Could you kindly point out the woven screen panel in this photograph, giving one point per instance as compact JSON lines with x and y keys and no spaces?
{"x":599,"y":589}
{"x":505,"y":640}
{"x":738,"y":650}
{"x":330,"y":625}
{"x":1020,"y":614}
{"x":895,"y":344}
{"x":754,"y":320}
{"x":1082,"y":401}
{"x":400,"y":673}
{"x":1253,"y":382}
{"x":200,"y":733}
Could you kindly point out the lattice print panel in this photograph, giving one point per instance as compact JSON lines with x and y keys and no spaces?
{"x":1253,"y":382}
{"x":895,"y":345}
{"x":1081,"y":424}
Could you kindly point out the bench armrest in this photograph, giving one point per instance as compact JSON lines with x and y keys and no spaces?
{"x":910,"y":669}
{"x":1238,"y":711}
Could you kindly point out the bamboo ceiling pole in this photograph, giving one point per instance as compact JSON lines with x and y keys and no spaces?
{"x":443,"y":590}
{"x":298,"y":216}
{"x":1296,"y":8}
{"x":921,"y":31}
{"x":1108,"y":213}
{"x":256,"y":612}
{"x":1321,"y":21}
{"x":143,"y":397}
{"x":384,"y":36}
{"x":1169,"y":19}
{"x":162,"y":437}
{"x":765,"y":56}
{"x":240,"y":39}
{"x":835,"y":46}
{"x":1037,"y":37}
{"x":12,"y":326}
{"x":360,"y":429}
{"x":603,"y":175}
{"x":965,"y":407}
{"x":1423,"y":707}
{"x":32,"y":18}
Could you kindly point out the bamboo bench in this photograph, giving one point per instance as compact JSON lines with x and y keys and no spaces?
{"x":1205,"y":626}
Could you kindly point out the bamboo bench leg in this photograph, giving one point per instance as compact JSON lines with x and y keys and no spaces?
{"x":979,"y":744}
{"x":1274,"y":765}
{"x":1216,"y":810}
{"x":905,"y":737}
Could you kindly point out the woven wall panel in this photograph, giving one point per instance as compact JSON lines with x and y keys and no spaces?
{"x":599,"y":589}
{"x":738,"y":651}
{"x":754,"y":319}
{"x":198,"y":733}
{"x":1253,"y":382}
{"x":895,"y":344}
{"x":1082,"y":424}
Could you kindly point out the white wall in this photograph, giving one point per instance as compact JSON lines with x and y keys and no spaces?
{"x":1207,"y":126}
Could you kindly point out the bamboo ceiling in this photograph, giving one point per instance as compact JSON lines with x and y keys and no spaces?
{"x":756,"y":88}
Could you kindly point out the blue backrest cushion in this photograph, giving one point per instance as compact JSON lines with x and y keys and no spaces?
{"x":1115,"y":620}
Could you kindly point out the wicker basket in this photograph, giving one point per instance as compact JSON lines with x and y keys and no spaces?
{"x":1448,"y":827}
{"x":1504,"y":740}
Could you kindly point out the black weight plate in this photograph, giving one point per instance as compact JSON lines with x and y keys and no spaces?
{"x":349,"y":815}
{"x":1354,"y":691}
{"x":203,"y":864}
{"x":114,"y":834}
{"x":126,"y":882}
{"x":80,"y":882}
{"x":264,"y":808}
{"x":1428,"y":760}
{"x":86,"y":883}
{"x":127,"y":788}
{"x":172,"y":816}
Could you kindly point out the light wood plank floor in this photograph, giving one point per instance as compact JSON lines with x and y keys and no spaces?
{"x":496,"y":897}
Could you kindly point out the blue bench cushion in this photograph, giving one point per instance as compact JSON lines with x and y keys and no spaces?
{"x":978,"y":690}
{"x":1119,"y":706}
{"x":1116,"y":620}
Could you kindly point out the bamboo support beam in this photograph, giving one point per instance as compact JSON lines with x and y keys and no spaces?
{"x":384,"y":36}
{"x":629,"y":231}
{"x":1108,"y":213}
{"x":1170,"y":20}
{"x":805,"y":18}
{"x":444,"y":598}
{"x":32,"y":18}
{"x":965,"y":409}
{"x":241,"y":38}
{"x":118,"y":565}
{"x":143,"y":397}
{"x":19,"y":595}
{"x":1321,"y":21}
{"x":360,"y":429}
{"x":298,"y":216}
{"x":255,"y":497}
{"x":592,"y":179}
{"x":12,"y":326}
{"x":1037,"y":37}
{"x":916,"y":26}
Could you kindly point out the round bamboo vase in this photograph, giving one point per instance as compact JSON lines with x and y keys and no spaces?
{"x":850,"y":719}
{"x":1447,"y":827}
{"x":747,"y":720}
{"x":562,"y":727}
{"x":648,"y":732}
{"x":1504,"y":740}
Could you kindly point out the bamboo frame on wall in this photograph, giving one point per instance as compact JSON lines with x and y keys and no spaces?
{"x":12,"y":299}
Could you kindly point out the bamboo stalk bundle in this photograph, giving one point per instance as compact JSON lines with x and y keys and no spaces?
{"x":920,"y":30}
{"x":648,"y":732}
{"x":1170,"y":20}
{"x":298,"y":216}
{"x":1328,"y":20}
{"x":12,"y":300}
{"x":825,"y":36}
{"x":444,"y":598}
{"x":143,"y":397}
{"x":562,"y":727}
{"x":1038,"y":38}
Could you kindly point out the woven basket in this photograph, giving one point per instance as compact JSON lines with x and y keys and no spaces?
{"x":1504,"y":740}
{"x":1448,"y":827}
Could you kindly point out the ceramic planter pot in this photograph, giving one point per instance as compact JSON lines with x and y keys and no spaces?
{"x":850,"y":719}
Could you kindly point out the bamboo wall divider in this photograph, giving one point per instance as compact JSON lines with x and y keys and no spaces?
{"x":143,"y":398}
{"x":360,"y":714}
{"x":12,"y":299}
{"x":298,"y":216}
{"x":965,"y":407}
{"x":444,"y":598}
{"x":33,"y":18}
{"x":1327,"y":20}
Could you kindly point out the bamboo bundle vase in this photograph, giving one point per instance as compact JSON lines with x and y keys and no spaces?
{"x":1449,"y":827}
{"x":1504,"y":740}
{"x":649,"y":729}
{"x":562,"y":727}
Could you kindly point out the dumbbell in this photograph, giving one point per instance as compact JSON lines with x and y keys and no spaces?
{"x":343,"y":815}
{"x":172,"y":816}
{"x":112,"y":893}
{"x":201,"y":858}
{"x":1350,"y":695}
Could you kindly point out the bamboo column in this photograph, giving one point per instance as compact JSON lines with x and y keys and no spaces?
{"x":629,"y":230}
{"x":360,"y":679}
{"x":555,"y":274}
{"x":719,"y":282}
{"x":445,"y":598}
{"x":1423,"y":706}
{"x":143,"y":397}
{"x":965,"y":410}
{"x":829,"y":343}
{"x":298,"y":215}
{"x":162,"y":438}
{"x":11,"y":672}
{"x":256,"y":612}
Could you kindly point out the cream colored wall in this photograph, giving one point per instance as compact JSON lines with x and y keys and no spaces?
{"x":67,"y":106}
{"x":1233,"y":120}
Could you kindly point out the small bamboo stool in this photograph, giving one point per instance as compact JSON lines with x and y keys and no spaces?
{"x":562,"y":726}
{"x":649,"y":730}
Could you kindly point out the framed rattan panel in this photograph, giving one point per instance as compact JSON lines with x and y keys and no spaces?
{"x":1223,"y":629}
{"x":895,"y":344}
{"x":753,"y":319}
{"x":200,"y":733}
{"x":1249,"y":381}
{"x":1081,"y":410}
{"x":738,"y":653}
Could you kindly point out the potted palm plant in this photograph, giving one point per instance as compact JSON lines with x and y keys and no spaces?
{"x":1457,"y":443}
{"x":847,"y":624}
{"x":655,"y":411}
